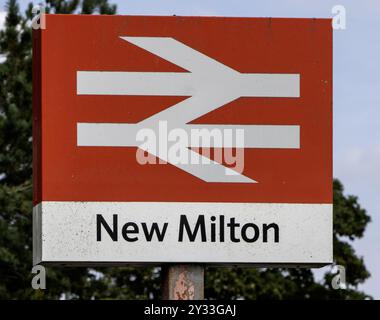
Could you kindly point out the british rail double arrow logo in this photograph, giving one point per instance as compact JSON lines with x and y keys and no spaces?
{"x":209,"y":84}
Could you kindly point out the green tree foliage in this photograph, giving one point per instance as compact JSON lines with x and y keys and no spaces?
{"x":16,"y":161}
{"x":350,"y":219}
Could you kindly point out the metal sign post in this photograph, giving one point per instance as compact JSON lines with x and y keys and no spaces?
{"x":183,"y":282}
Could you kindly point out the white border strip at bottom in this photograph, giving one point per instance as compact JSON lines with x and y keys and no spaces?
{"x":272,"y":233}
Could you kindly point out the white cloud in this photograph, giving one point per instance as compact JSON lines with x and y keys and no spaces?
{"x":359,"y":165}
{"x":3,"y":15}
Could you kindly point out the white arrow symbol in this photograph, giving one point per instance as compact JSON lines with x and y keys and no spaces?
{"x":209,"y":85}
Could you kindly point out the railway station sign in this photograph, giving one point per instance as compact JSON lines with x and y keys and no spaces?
{"x":182,"y":139}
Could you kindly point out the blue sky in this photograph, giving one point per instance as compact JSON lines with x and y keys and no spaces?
{"x":356,"y":91}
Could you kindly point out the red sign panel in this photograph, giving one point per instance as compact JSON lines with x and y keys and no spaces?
{"x":68,"y":172}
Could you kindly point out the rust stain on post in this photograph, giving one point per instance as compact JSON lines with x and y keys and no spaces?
{"x":184,"y":287}
{"x":183,"y":282}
